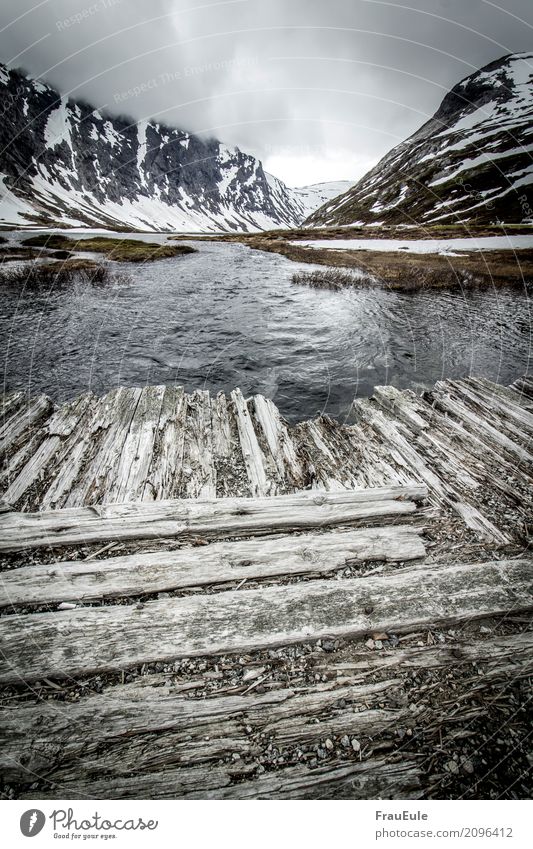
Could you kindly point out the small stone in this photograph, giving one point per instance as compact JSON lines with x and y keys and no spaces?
{"x":328,"y":645}
{"x":260,"y":769}
{"x":468,"y":767}
{"x":66,"y":605}
{"x":236,"y":756}
{"x":329,"y":745}
{"x":378,"y":644}
{"x":356,"y":745}
{"x":252,"y":674}
{"x":345,"y":742}
{"x":369,"y":644}
{"x":452,"y":767}
{"x":380,"y":635}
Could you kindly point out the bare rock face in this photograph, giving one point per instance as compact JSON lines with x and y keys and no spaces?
{"x":64,"y":163}
{"x":473,"y":161}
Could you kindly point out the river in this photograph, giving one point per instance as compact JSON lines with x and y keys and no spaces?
{"x":229,"y":316}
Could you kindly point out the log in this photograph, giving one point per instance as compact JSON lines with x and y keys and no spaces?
{"x":86,"y":640}
{"x":164,"y":476}
{"x":440,"y":485}
{"x":217,"y":563}
{"x":23,"y":419}
{"x":222,"y":518}
{"x":129,"y":477}
{"x":254,"y":459}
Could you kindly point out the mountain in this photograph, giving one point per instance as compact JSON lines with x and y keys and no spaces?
{"x":313,"y":197}
{"x":63,"y":163}
{"x":473,"y":161}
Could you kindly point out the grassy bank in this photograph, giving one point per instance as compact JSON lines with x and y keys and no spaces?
{"x":400,"y":270}
{"x":119,"y":250}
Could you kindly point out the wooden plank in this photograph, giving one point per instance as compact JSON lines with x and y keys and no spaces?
{"x":501,"y":415}
{"x":254,"y":459}
{"x":280,"y":444}
{"x":23,"y":419}
{"x":54,"y":433}
{"x":86,"y":640}
{"x":9,"y":402}
{"x":492,"y":397}
{"x":373,"y":779}
{"x":477,"y":424}
{"x":402,"y":405}
{"x":217,"y":563}
{"x":107,"y":732}
{"x":164,"y":475}
{"x":222,"y":518}
{"x":440,"y":485}
{"x":131,"y":473}
{"x":106,"y":435}
{"x":198,"y":472}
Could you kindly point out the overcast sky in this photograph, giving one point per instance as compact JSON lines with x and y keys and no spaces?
{"x":318,"y":89}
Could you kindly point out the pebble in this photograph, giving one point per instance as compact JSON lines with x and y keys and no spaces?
{"x":378,"y":644}
{"x":329,"y":745}
{"x":369,"y":644}
{"x":468,"y":767}
{"x":66,"y":605}
{"x":356,"y":745}
{"x":345,"y":742}
{"x":452,"y":767}
{"x":252,"y":674}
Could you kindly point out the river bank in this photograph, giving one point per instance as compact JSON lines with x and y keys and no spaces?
{"x":466,"y":267}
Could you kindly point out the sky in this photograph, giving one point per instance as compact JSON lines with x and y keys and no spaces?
{"x":317,"y":89}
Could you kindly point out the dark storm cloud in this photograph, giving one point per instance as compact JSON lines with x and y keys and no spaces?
{"x":317,"y":88}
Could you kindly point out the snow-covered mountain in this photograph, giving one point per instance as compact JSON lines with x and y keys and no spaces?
{"x":313,"y":197}
{"x":473,"y":161}
{"x":65,"y":164}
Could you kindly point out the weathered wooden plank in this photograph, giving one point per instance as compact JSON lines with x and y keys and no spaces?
{"x":105,"y":435}
{"x":188,"y":731}
{"x":280,"y":444}
{"x":373,"y":461}
{"x":85,"y":640}
{"x":23,"y":419}
{"x":11,"y":401}
{"x":492,"y":396}
{"x":372,"y":779}
{"x":401,"y":405}
{"x":499,"y":415}
{"x":524,"y":387}
{"x":217,"y":563}
{"x":97,"y":734}
{"x":129,"y":479}
{"x":440,"y":485}
{"x":477,"y":424}
{"x":198,"y":472}
{"x":56,"y":431}
{"x":164,"y":475}
{"x":219,"y":518}
{"x":254,"y":459}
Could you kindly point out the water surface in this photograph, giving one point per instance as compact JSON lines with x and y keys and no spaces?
{"x":229,"y":316}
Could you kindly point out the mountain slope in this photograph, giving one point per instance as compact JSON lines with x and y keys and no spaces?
{"x":472,"y":161}
{"x":63,"y":163}
{"x":315,"y":196}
